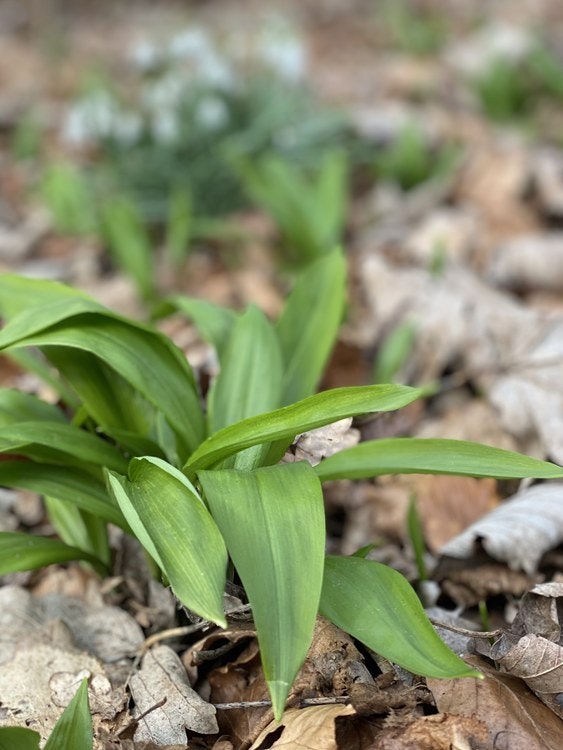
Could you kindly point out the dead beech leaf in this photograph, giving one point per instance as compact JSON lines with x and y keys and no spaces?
{"x":512,"y":353}
{"x":518,"y":532}
{"x":163,"y":676}
{"x":438,"y":732}
{"x":514,"y":717}
{"x":538,"y":662}
{"x":304,"y":729}
{"x":541,"y":612}
{"x":317,"y":444}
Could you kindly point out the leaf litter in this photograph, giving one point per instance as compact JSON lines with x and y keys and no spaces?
{"x":459,"y":260}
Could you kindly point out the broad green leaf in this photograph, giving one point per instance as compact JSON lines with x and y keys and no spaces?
{"x":148,"y":361}
{"x":309,"y":325}
{"x":272,"y":520}
{"x":19,"y":738}
{"x":20,"y":293}
{"x":73,"y":731}
{"x":64,"y":482}
{"x":432,"y":456}
{"x":249,"y":382}
{"x":59,"y":443}
{"x":376,"y":605}
{"x":16,"y":406}
{"x":34,"y":361}
{"x":26,"y":552}
{"x":213,"y":322}
{"x":78,"y":528}
{"x":181,"y":531}
{"x":289,"y":421}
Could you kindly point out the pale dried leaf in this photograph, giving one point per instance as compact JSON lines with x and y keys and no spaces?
{"x":518,"y":532}
{"x":317,"y":444}
{"x":163,"y":676}
{"x":515,"y":718}
{"x":529,"y":263}
{"x":541,"y":612}
{"x":304,"y":729}
{"x":538,"y":662}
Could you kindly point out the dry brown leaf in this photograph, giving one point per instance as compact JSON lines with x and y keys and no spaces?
{"x":515,"y":718}
{"x":541,"y":612}
{"x":439,"y":732}
{"x":304,"y":729}
{"x":514,"y":354}
{"x":317,"y":444}
{"x":538,"y":662}
{"x":469,"y":581}
{"x":163,"y":676}
{"x":518,"y":532}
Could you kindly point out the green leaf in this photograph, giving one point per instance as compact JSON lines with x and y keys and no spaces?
{"x":309,"y":324}
{"x":73,"y":731}
{"x":249,"y":382}
{"x":26,"y":552}
{"x":432,"y":456}
{"x":66,"y":483}
{"x":286,"y":423}
{"x":129,"y":243}
{"x":19,"y":294}
{"x":147,"y":360}
{"x":16,"y":406}
{"x":272,"y":520}
{"x":79,"y":529}
{"x":18,"y":738}
{"x":160,"y":504}
{"x":213,"y":322}
{"x":59,"y":443}
{"x":376,"y":605}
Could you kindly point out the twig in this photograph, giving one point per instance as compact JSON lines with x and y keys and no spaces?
{"x":267,"y":704}
{"x":464,"y":631}
{"x":137,"y":719}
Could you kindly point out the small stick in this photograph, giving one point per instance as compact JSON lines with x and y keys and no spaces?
{"x":267,"y":704}
{"x":464,"y":631}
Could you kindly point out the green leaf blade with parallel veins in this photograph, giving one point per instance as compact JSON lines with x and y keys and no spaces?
{"x":272,"y":520}
{"x":172,"y":522}
{"x":26,"y":552}
{"x":376,"y":605}
{"x":287,"y":422}
{"x":74,"y":731}
{"x":432,"y":456}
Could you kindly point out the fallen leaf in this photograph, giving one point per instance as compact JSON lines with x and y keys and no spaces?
{"x":317,"y":444}
{"x":518,"y":532}
{"x":162,"y":676}
{"x":514,"y":717}
{"x":304,"y":729}
{"x":541,"y":612}
{"x":437,"y":732}
{"x":532,"y":262}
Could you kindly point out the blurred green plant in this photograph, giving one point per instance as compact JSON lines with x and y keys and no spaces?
{"x":415,"y":30}
{"x":394,"y":353}
{"x":409,"y":160}
{"x":308,"y":206}
{"x":136,"y":449}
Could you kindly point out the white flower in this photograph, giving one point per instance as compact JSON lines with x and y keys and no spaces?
{"x":284,"y":53}
{"x":192,"y":44}
{"x":145,"y":55}
{"x":90,"y":119}
{"x":127,"y":128}
{"x":165,"y":93}
{"x":165,"y":126}
{"x":214,"y":71}
{"x":211,"y":113}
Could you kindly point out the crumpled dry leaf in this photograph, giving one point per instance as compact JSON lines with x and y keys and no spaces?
{"x":513,"y":354}
{"x":518,"y":532}
{"x":107,"y":632}
{"x":541,"y":612}
{"x":536,"y":660}
{"x":437,"y":732}
{"x":163,"y":676}
{"x":317,"y":444}
{"x":304,"y":729}
{"x":527,"y":263}
{"x":515,"y":719}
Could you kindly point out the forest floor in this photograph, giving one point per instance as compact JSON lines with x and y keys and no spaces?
{"x":454,"y":273}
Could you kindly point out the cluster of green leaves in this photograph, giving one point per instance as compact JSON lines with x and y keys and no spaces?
{"x":135,"y":448}
{"x":512,"y":91}
{"x":409,"y":160}
{"x":309,"y":209}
